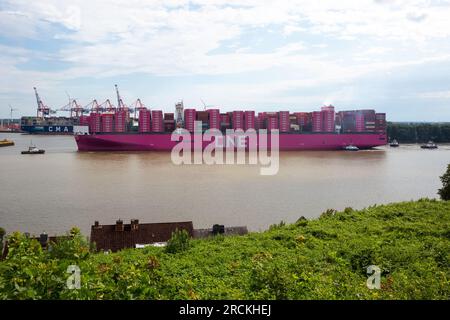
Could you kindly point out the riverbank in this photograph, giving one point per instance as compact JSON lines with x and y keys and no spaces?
{"x":325,"y":258}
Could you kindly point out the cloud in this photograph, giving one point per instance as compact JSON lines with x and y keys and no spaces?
{"x":307,"y":44}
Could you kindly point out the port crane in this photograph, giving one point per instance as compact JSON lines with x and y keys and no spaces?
{"x":42,"y":110}
{"x":74,"y":108}
{"x":120,"y":104}
{"x":138,"y":106}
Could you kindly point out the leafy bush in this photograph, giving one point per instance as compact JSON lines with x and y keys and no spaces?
{"x":2,"y":234}
{"x":313,"y":259}
{"x":444,"y":192}
{"x":179,"y":242}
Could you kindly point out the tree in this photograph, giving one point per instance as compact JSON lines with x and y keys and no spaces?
{"x":2,"y":234}
{"x":444,"y":192}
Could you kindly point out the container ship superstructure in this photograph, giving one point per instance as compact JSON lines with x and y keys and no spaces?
{"x":116,"y":129}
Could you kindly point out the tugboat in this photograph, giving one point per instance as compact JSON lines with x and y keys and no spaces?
{"x":6,"y":143}
{"x":351,"y":148}
{"x":429,"y":145}
{"x":394,"y":144}
{"x":33,"y":150}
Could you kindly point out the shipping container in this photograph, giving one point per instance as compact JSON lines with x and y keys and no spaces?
{"x":84,"y":120}
{"x":121,"y":121}
{"x":316,"y":121}
{"x":284,"y":123}
{"x":237,"y":120}
{"x":328,"y":119}
{"x":95,"y":122}
{"x":214,"y":118}
{"x":157,"y":121}
{"x":271,"y":121}
{"x":144,"y":120}
{"x":107,"y":122}
{"x":189,"y":119}
{"x":249,"y":118}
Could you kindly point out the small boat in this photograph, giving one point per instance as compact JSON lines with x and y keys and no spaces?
{"x":351,"y":148}
{"x":33,"y":150}
{"x":429,"y":145}
{"x":6,"y":143}
{"x":394,"y":143}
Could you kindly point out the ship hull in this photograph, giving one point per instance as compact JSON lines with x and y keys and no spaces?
{"x":287,"y":142}
{"x":46,"y":129}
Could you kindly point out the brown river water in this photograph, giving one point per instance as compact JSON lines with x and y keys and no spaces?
{"x":65,"y":188}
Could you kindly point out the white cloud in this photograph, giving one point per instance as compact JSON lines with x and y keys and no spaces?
{"x":177,"y":37}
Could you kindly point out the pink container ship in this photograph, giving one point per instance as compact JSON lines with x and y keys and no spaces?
{"x":152,"y":130}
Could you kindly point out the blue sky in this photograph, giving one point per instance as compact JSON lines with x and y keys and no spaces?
{"x":390,"y":55}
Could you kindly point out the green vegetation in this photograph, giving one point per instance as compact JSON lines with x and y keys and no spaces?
{"x":418,"y":132}
{"x":325,"y":258}
{"x":444,"y":192}
{"x":2,"y":234}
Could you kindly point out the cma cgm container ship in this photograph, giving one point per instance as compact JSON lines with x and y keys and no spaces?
{"x":151,"y":130}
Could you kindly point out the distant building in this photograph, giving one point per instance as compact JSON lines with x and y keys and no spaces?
{"x":119,"y":236}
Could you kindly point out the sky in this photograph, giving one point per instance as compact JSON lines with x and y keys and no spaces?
{"x":389,"y":55}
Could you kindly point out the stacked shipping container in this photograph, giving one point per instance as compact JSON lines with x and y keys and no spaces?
{"x":271,"y":121}
{"x":238,"y":120}
{"x":249,"y":118}
{"x":214,"y":118}
{"x":359,"y":122}
{"x":144,"y":120}
{"x":284,"y":121}
{"x":120,"y":121}
{"x":84,"y":120}
{"x":328,"y":120}
{"x":107,"y":122}
{"x":189,"y":119}
{"x":95,"y":122}
{"x":157,"y":121}
{"x":316,"y":121}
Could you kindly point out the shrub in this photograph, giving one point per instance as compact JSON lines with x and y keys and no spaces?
{"x":2,"y":234}
{"x":179,"y":242}
{"x":444,"y":192}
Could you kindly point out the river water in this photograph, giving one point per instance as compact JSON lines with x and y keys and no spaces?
{"x":65,"y":188}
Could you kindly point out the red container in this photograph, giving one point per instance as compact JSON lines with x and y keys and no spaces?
{"x":169,"y":116}
{"x":189,"y":118}
{"x":238,"y":120}
{"x":272,"y":121}
{"x":169,"y":125}
{"x":95,"y":122}
{"x":202,"y":116}
{"x":107,"y":122}
{"x":328,"y":119}
{"x":359,"y":122}
{"x":316,"y":121}
{"x":249,"y":118}
{"x":380,"y":122}
{"x":144,"y":120}
{"x":157,"y":121}
{"x":284,"y":121}
{"x":120,"y":121}
{"x":261,"y":120}
{"x":214,"y":118}
{"x":84,"y":120}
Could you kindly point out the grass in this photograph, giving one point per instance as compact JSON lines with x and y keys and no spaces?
{"x":325,"y":258}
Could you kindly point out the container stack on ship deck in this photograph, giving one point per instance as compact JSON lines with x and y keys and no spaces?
{"x":316,"y":130}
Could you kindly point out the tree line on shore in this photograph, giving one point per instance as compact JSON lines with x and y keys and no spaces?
{"x":418,"y":132}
